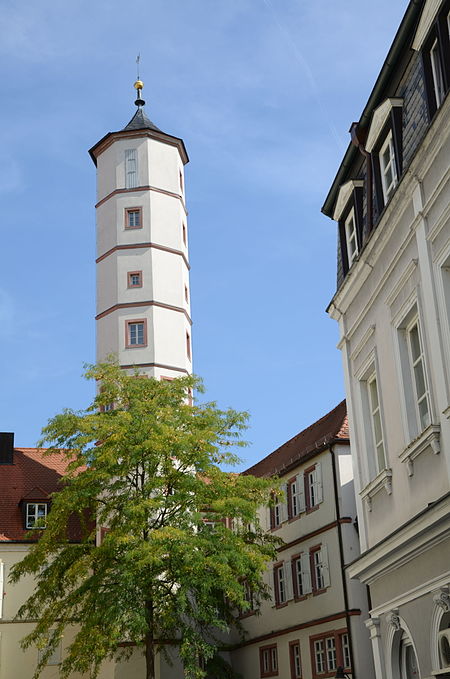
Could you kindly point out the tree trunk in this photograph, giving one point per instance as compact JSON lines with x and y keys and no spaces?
{"x":149,"y":642}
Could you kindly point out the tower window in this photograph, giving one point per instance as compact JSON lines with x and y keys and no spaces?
{"x":135,"y":279}
{"x":181,"y":181}
{"x":186,"y":293}
{"x":133,"y":218}
{"x":188,"y":345}
{"x":130,"y":169}
{"x":184,"y":233}
{"x":136,"y":334}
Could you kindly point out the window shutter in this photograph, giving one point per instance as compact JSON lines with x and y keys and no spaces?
{"x":288,"y":580}
{"x":283,"y":503}
{"x":2,"y":570}
{"x":318,"y":483}
{"x":306,"y":573}
{"x":325,"y":566}
{"x":301,"y":492}
{"x":274,"y":587}
{"x":130,"y":169}
{"x":269,"y":518}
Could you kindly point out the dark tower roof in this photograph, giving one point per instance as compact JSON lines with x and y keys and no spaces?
{"x":140,"y":122}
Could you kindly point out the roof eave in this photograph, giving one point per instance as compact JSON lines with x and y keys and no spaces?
{"x":406,"y":27}
{"x":144,"y":132}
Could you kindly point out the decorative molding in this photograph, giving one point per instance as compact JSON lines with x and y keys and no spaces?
{"x":362,"y":342}
{"x":137,"y":246}
{"x":379,"y":119}
{"x":138,"y":189}
{"x":373,"y":625}
{"x":428,"y":15}
{"x":130,"y":305}
{"x":380,"y":482}
{"x":393,"y":620}
{"x":344,"y":195}
{"x":429,"y":528}
{"x":442,"y":599}
{"x":429,"y":438}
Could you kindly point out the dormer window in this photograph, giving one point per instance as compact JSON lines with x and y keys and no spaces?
{"x":350,"y":234}
{"x":36,"y":514}
{"x":388,"y":171}
{"x":438,"y":77}
{"x":349,"y":215}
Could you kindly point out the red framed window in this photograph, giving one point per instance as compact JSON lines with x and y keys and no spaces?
{"x":313,"y":487}
{"x":330,"y":651}
{"x":134,"y":279}
{"x":295,"y":660}
{"x":133,"y":218}
{"x":136,"y":333}
{"x":268,"y":661}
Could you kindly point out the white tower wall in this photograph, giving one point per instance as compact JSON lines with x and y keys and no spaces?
{"x":143,"y":297}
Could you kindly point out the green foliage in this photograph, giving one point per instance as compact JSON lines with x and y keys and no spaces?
{"x":149,"y":471}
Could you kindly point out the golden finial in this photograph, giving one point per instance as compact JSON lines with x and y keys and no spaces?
{"x":138,"y":85}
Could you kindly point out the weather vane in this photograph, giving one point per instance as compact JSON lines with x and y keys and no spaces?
{"x":139,"y":84}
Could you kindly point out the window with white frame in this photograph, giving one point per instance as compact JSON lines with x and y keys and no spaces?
{"x":302,"y":575}
{"x":415,"y":391}
{"x":131,"y":168}
{"x":282,"y":583}
{"x":296,"y":496}
{"x":55,"y":656}
{"x":35,"y":514}
{"x":313,"y":486}
{"x":376,"y":426}
{"x":268,"y":661}
{"x":417,"y":362}
{"x":330,"y":651}
{"x":388,"y":170}
{"x":438,"y":77}
{"x":295,"y":660}
{"x":311,"y":572}
{"x":136,"y":334}
{"x":351,"y":237}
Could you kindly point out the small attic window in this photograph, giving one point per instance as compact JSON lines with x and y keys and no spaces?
{"x":36,"y":514}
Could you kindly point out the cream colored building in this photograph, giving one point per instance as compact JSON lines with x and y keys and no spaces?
{"x":391,"y":199}
{"x":314,"y":622}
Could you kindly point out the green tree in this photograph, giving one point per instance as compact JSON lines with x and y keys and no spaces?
{"x":147,"y":465}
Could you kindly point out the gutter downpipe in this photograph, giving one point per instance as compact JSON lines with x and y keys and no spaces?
{"x":341,"y":555}
{"x":357,"y":140}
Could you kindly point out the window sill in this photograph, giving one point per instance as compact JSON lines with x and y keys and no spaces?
{"x":310,"y":510}
{"x":293,"y":518}
{"x":282,"y":605}
{"x":380,"y":482}
{"x":429,"y":438}
{"x":316,"y":592}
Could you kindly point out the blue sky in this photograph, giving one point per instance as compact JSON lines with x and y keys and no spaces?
{"x":263,"y":93}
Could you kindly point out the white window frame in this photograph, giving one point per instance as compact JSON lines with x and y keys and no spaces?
{"x":388,"y":189}
{"x":319,"y":656}
{"x":345,"y":647}
{"x":379,"y":452}
{"x":438,"y":76}
{"x":31,"y":518}
{"x":331,"y":653}
{"x":351,"y":237}
{"x":55,"y":657}
{"x":131,"y":168}
{"x":313,"y":486}
{"x":414,"y":363}
{"x":296,"y":660}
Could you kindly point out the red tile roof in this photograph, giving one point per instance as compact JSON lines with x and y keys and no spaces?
{"x":331,"y":428}
{"x":32,"y":476}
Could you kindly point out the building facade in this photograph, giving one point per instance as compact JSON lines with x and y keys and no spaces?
{"x":313,"y":622}
{"x":27,"y":479}
{"x":391,"y":201}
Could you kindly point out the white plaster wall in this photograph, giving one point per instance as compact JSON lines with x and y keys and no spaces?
{"x":167,"y":218}
{"x":164,"y":165}
{"x":403,"y":267}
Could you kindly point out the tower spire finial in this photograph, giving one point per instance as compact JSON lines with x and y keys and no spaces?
{"x":139,"y":84}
